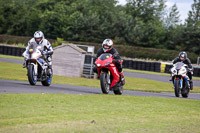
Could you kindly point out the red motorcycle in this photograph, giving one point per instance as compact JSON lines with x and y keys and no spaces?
{"x":110,"y":78}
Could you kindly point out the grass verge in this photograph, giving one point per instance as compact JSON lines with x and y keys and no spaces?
{"x":12,"y":71}
{"x":97,"y":113}
{"x":11,"y":57}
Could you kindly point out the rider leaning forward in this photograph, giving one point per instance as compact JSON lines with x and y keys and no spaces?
{"x":183,"y":58}
{"x":45,"y":45}
{"x":107,"y":47}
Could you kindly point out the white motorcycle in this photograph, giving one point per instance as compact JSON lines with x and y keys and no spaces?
{"x":180,"y":79}
{"x":37,"y":67}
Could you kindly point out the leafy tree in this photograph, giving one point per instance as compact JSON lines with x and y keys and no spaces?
{"x":191,"y":32}
{"x":173,"y":19}
{"x":146,"y":25}
{"x":174,"y":29}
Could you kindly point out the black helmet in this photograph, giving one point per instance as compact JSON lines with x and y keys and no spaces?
{"x":182,"y":55}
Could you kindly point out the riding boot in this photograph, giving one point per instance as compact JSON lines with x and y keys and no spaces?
{"x":24,"y":64}
{"x":50,"y":70}
{"x":122,"y":78}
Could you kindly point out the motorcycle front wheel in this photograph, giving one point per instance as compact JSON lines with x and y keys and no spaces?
{"x":177,"y":87}
{"x":32,"y":78}
{"x":105,"y":87}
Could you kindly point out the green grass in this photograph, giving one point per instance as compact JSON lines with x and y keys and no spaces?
{"x":12,"y":71}
{"x":11,"y":57}
{"x":97,"y":113}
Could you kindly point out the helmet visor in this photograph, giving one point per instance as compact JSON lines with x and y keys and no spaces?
{"x":38,"y":39}
{"x":106,"y":47}
{"x":182,"y":58}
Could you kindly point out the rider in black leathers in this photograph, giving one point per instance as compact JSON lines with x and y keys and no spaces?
{"x":183,"y":58}
{"x":107,"y":47}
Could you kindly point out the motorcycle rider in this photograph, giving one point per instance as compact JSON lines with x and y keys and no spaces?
{"x":183,"y":58}
{"x":46,"y":48}
{"x":107,"y":47}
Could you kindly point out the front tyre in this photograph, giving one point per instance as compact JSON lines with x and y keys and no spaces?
{"x":118,"y":91}
{"x":177,"y":87}
{"x":105,"y":87}
{"x":32,"y":78}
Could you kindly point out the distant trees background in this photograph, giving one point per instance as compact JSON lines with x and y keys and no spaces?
{"x":144,"y":23}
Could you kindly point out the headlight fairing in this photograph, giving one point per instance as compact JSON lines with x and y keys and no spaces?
{"x":182,"y":71}
{"x":98,"y":65}
{"x":34,"y":56}
{"x":107,"y":64}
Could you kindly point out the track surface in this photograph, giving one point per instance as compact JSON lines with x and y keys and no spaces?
{"x":11,"y":86}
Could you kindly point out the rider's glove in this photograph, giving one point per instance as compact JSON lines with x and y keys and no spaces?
{"x":115,"y":55}
{"x":115,"y":61}
{"x":190,"y":70}
{"x":44,"y":52}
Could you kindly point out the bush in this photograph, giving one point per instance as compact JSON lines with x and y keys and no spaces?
{"x":58,"y":42}
{"x":8,"y":39}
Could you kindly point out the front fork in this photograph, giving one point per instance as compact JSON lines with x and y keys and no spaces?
{"x":108,"y":76}
{"x":180,"y":80}
{"x":35,"y":65}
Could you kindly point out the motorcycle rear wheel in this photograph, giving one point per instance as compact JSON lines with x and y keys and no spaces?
{"x":177,"y":87}
{"x":105,"y":87}
{"x":46,"y":82}
{"x":118,"y":91}
{"x":185,"y":93}
{"x":32,"y":78}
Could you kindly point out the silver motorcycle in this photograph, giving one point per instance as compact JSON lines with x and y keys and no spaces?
{"x":180,"y":79}
{"x":37,"y":67}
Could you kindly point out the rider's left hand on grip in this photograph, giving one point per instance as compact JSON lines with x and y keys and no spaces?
{"x":44,"y":52}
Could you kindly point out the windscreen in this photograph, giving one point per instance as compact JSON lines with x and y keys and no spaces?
{"x":105,"y":56}
{"x":179,"y":65}
{"x":33,"y":46}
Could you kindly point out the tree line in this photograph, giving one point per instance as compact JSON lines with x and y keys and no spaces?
{"x":145,"y":23}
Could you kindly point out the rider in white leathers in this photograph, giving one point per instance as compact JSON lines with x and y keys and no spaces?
{"x":44,"y":44}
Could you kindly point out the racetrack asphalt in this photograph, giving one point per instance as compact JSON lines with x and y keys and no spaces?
{"x":11,"y":86}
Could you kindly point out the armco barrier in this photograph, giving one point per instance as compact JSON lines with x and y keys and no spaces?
{"x":8,"y":50}
{"x":142,"y":65}
{"x":167,"y":68}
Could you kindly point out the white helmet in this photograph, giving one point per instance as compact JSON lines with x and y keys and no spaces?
{"x":107,"y":45}
{"x":39,"y":37}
